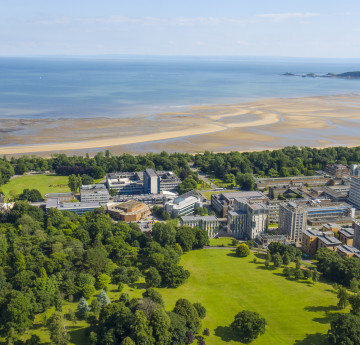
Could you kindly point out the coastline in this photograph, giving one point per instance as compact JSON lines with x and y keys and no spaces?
{"x":316,"y":121}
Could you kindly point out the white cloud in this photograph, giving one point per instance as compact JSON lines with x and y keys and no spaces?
{"x":279,"y":17}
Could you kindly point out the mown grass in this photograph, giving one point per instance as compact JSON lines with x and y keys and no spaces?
{"x":43,"y":183}
{"x":221,"y":242}
{"x":297,"y":312}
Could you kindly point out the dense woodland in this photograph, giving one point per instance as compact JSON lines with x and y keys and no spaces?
{"x":289,"y":161}
{"x":234,"y":167}
{"x":45,"y":259}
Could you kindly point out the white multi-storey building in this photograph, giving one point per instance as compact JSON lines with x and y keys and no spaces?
{"x":94,"y":193}
{"x":354,"y":192}
{"x":183,"y":205}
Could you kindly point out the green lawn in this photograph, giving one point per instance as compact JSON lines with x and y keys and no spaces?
{"x":44,"y":183}
{"x":223,"y":242}
{"x":296,"y":312}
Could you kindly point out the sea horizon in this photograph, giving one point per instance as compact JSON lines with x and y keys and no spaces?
{"x":123,"y":86}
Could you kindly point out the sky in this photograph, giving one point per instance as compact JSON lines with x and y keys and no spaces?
{"x":283,"y":28}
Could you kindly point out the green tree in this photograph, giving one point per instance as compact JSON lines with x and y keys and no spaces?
{"x":185,"y":309}
{"x":16,"y":311}
{"x":102,"y":281}
{"x":298,"y":274}
{"x":88,"y":291}
{"x":160,"y":323}
{"x":152,"y":277}
{"x":20,"y":169}
{"x":173,"y":276}
{"x":141,"y":331}
{"x":185,"y":236}
{"x":354,"y":301}
{"x":315,"y":275}
{"x":229,"y":178}
{"x":242,"y":250}
{"x":95,"y":306}
{"x":127,"y":341}
{"x":286,"y":259}
{"x":86,"y":179}
{"x":58,"y":330}
{"x":154,"y":295}
{"x":82,"y":308}
{"x":277,"y":260}
{"x":200,"y":310}
{"x":187,"y":185}
{"x":113,"y":192}
{"x":343,"y":297}
{"x":164,"y":234}
{"x":245,"y":181}
{"x":345,"y":330}
{"x":177,"y":329}
{"x":248,"y":325}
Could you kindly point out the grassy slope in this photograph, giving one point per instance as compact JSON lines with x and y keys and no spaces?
{"x":44,"y":183}
{"x":223,"y":241}
{"x":296,"y":312}
{"x":225,"y":285}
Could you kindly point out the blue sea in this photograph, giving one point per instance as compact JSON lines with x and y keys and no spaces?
{"x":128,"y":86}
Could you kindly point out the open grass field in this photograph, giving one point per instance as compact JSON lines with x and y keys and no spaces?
{"x":221,"y":242}
{"x":44,"y":183}
{"x":296,"y":312}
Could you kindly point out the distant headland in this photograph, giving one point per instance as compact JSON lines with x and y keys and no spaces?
{"x":346,"y":75}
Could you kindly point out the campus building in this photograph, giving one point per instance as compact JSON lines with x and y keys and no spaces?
{"x":94,"y":193}
{"x":130,"y":211}
{"x":222,"y":202}
{"x":328,"y":212}
{"x":346,"y":236}
{"x":74,"y":207}
{"x":292,"y":220}
{"x":356,"y":243}
{"x":317,"y":180}
{"x":348,"y":251}
{"x":183,"y":205}
{"x":354,"y":192}
{"x":247,"y":220}
{"x":355,"y":170}
{"x":146,"y":182}
{"x":274,"y":209}
{"x":338,"y":170}
{"x":208,"y":223}
{"x":63,"y":197}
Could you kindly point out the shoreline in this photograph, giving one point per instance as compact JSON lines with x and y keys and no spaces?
{"x":271,"y":123}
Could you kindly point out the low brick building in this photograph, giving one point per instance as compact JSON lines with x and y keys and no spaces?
{"x":346,"y":236}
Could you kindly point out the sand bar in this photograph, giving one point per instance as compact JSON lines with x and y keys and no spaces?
{"x":269,"y":123}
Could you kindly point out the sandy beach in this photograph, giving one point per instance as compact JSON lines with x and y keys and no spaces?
{"x":262,"y":124}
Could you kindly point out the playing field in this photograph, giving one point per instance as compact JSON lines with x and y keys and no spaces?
{"x":296,"y":312}
{"x":43,"y":183}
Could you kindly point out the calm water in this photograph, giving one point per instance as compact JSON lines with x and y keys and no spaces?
{"x":91,"y":87}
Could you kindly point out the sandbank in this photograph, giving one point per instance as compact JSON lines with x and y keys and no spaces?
{"x":262,"y":124}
